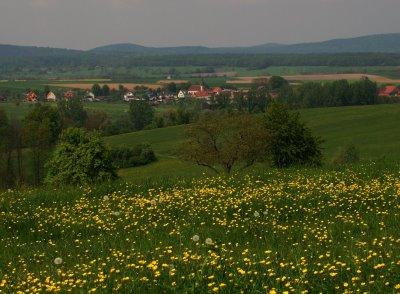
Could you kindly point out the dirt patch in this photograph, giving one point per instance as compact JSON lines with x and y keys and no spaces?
{"x":86,"y":86}
{"x":164,"y":82}
{"x":320,"y":77}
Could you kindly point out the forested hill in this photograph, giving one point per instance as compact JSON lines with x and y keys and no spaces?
{"x":31,"y":51}
{"x":387,"y":43}
{"x":384,"y":43}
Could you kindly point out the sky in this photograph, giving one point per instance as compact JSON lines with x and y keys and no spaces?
{"x":85,"y":24}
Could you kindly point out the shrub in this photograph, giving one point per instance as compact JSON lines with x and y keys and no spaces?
{"x":124,"y":157}
{"x":80,"y":158}
{"x":349,"y":155}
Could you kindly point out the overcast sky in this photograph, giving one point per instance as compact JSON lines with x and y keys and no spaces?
{"x":84,"y":24}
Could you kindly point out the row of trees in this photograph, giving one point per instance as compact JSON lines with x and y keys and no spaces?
{"x":337,"y":93}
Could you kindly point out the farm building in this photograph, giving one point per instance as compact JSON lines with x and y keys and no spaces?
{"x":389,"y":91}
{"x":31,"y":96}
{"x":51,"y":97}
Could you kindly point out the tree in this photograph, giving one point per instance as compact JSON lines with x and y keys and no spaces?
{"x":291,"y":141}
{"x":80,"y":158}
{"x":224,"y":140}
{"x":42,"y":127}
{"x":277,"y":82}
{"x":72,"y":112}
{"x":105,"y":90}
{"x":5,"y":176}
{"x":96,"y":90}
{"x":141,"y":114}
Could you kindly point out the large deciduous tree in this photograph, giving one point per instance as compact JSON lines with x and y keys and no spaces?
{"x":225,"y":140}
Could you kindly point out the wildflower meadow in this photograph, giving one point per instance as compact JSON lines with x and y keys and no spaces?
{"x":272,"y":232}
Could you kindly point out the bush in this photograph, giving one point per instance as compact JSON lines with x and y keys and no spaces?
{"x":292,"y":143}
{"x":139,"y":155}
{"x":80,"y":158}
{"x":349,"y":155}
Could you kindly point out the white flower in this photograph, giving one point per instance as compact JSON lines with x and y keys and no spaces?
{"x":256,"y":214}
{"x":196,"y":238}
{"x":58,"y":261}
{"x":106,"y":198}
{"x":265,"y":212}
{"x":116,"y":213}
{"x":209,"y":241}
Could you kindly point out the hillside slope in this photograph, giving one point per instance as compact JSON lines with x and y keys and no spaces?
{"x":371,"y":128}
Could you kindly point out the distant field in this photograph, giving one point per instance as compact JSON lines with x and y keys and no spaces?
{"x":114,"y":110}
{"x":320,"y":77}
{"x":371,"y":128}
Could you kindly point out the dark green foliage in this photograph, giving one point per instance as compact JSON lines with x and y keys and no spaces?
{"x":141,"y":114}
{"x":349,"y":155}
{"x":80,"y":158}
{"x":96,"y":90}
{"x":42,"y":127}
{"x":105,"y":90}
{"x":337,"y":93}
{"x":139,"y":155}
{"x":277,"y":82}
{"x":291,"y":142}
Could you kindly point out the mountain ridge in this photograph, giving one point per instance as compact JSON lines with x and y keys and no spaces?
{"x":379,"y":43}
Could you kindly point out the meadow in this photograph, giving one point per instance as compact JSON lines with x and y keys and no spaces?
{"x":372,"y":129}
{"x":274,"y":232}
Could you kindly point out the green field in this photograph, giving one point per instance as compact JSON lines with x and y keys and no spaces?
{"x":114,"y":110}
{"x":371,"y":128}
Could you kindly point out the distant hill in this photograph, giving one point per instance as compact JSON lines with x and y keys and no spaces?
{"x":384,"y":43}
{"x":27,"y":51}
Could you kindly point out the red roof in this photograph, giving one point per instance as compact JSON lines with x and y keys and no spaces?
{"x":216,"y":90}
{"x":31,"y":96}
{"x":202,"y":94}
{"x":196,"y":88}
{"x":389,"y":91}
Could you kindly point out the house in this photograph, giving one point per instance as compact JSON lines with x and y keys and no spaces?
{"x":129,"y":96}
{"x":51,"y":97}
{"x":216,"y":91}
{"x":31,"y":96}
{"x":90,"y":97}
{"x":69,"y":95}
{"x":195,"y":89}
{"x":182,"y":94}
{"x":389,"y":91}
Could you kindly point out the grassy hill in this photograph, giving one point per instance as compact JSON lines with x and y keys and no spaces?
{"x":373,"y":129}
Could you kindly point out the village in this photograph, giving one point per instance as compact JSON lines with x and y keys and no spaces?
{"x":160,"y":96}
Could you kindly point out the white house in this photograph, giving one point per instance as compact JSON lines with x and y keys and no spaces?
{"x":51,"y":97}
{"x":182,"y":94}
{"x":129,"y":96}
{"x":89,"y":96}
